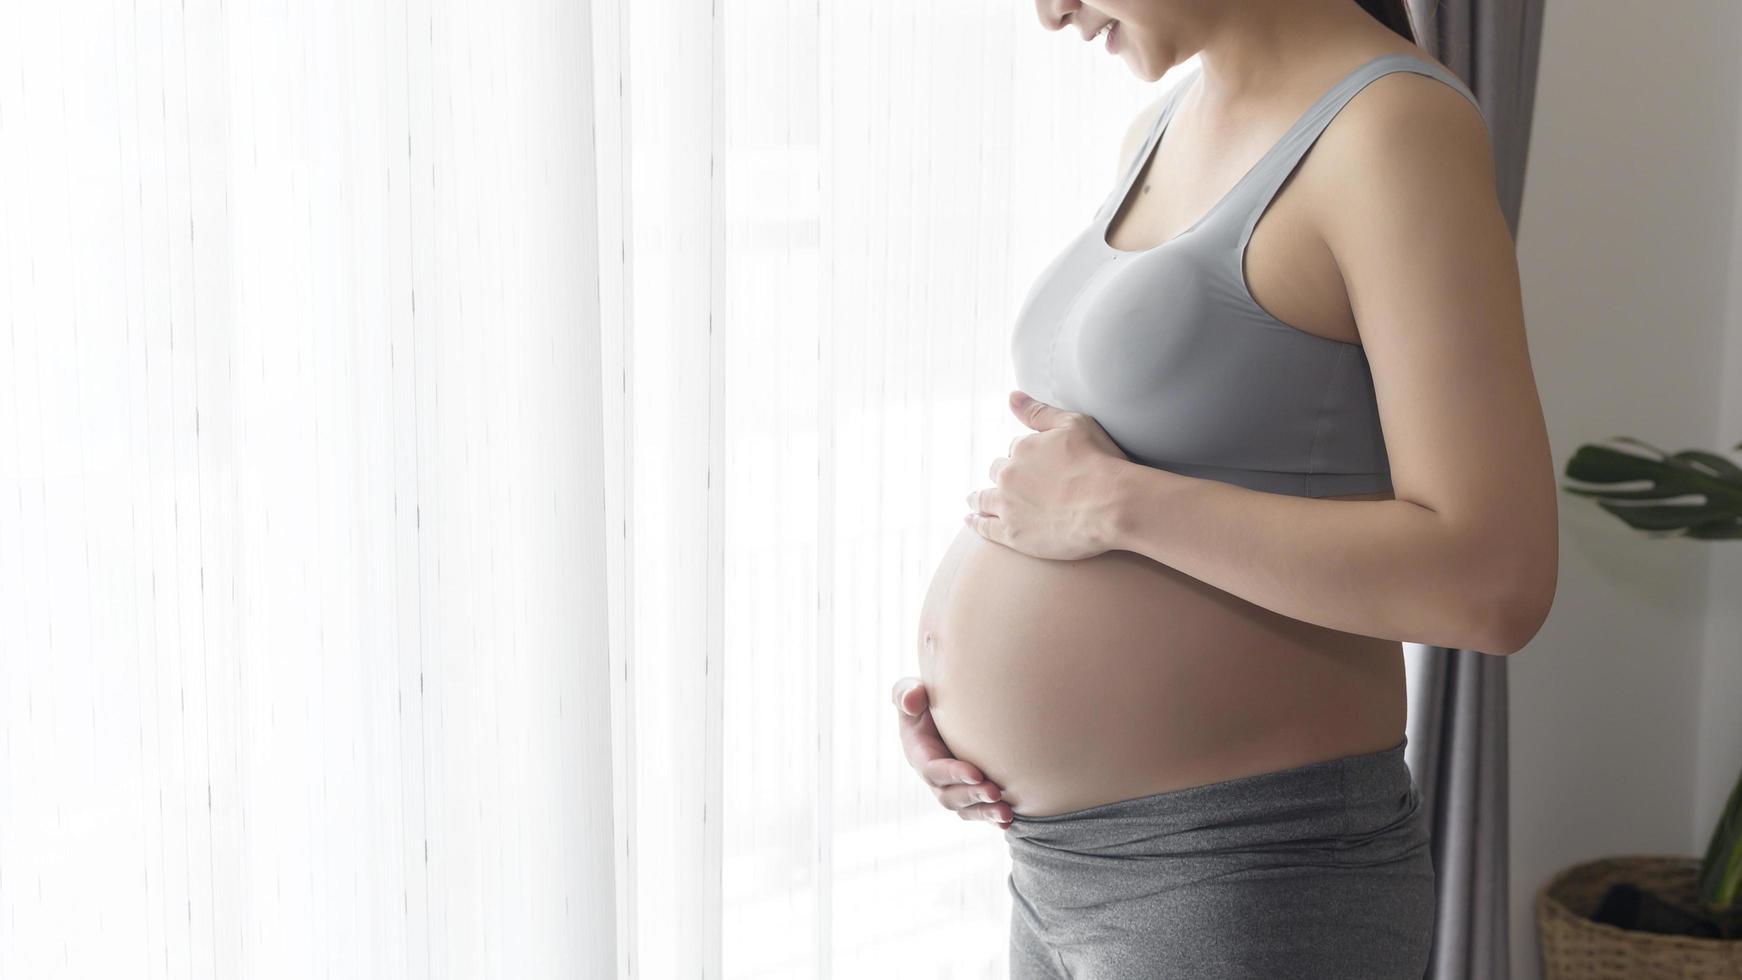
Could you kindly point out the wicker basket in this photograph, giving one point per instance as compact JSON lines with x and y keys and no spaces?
{"x":1575,"y":948}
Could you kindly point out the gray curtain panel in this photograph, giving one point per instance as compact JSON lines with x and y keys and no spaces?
{"x":1457,"y":714}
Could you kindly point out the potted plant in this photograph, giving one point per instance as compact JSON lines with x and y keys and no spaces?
{"x":1653,"y":916}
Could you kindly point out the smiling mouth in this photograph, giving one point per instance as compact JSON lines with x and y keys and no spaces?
{"x":1110,"y":31}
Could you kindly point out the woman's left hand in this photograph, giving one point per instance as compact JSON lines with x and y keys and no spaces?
{"x":1054,"y":495}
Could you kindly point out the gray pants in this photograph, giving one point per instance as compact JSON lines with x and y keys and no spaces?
{"x":1319,"y":872}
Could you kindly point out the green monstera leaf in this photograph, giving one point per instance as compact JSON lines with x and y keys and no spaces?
{"x":1666,"y":508}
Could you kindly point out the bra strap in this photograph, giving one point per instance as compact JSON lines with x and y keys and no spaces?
{"x":1288,"y":151}
{"x":1123,"y":190}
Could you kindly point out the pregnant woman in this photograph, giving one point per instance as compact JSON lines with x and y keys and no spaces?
{"x":1283,"y":420}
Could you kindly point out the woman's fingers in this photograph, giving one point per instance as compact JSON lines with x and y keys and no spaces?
{"x":998,"y":813}
{"x":909,"y":696}
{"x":958,"y":795}
{"x":927,"y":753}
{"x":957,"y":784}
{"x":976,"y":801}
{"x":989,"y":500}
{"x":923,"y":746}
{"x":945,"y":770}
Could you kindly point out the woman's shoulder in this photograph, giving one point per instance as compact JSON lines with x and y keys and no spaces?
{"x":1399,"y":98}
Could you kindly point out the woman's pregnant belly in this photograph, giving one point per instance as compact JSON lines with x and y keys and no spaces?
{"x":1075,"y":683}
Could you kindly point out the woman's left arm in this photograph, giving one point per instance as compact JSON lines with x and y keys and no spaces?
{"x":1466,"y":555}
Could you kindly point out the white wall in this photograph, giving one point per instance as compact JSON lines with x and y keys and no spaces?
{"x":1624,"y":737}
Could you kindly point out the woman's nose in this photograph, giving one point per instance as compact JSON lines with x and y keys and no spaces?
{"x":1054,"y":13}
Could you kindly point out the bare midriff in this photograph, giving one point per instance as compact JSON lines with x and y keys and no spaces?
{"x":1076,"y":683}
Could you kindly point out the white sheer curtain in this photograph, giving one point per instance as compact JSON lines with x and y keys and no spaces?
{"x":820,"y":220}
{"x":469,"y":473}
{"x":302,"y":608}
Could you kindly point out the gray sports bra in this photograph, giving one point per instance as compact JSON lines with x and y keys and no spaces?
{"x":1169,"y":352}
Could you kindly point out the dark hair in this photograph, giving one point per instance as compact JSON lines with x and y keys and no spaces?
{"x":1393,"y":14}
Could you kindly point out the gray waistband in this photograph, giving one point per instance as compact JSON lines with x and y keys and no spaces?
{"x":1314,"y":802}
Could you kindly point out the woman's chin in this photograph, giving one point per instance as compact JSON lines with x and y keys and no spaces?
{"x":1139,"y":65}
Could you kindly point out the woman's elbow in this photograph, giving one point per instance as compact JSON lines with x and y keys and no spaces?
{"x":1520,"y":606}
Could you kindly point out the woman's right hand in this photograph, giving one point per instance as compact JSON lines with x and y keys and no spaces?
{"x":958,"y":785}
